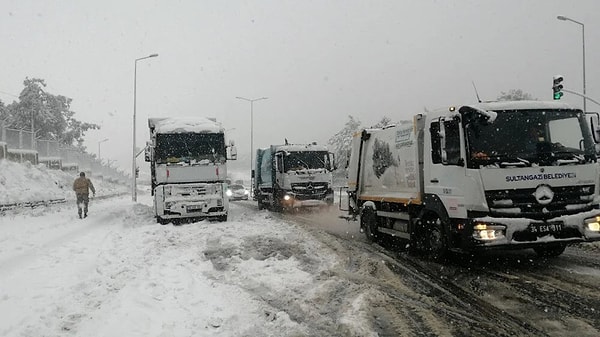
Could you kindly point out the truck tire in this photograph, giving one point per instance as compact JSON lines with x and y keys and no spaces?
{"x":550,"y":250}
{"x":368,"y":222}
{"x":275,"y":204}
{"x":260,"y":203}
{"x":161,"y":221}
{"x":222,"y":218}
{"x":436,"y":242}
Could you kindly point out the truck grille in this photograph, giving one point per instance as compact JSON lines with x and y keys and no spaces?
{"x":310,"y":190}
{"x":523,"y":203}
{"x":191,"y":191}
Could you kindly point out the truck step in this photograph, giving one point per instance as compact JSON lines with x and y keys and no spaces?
{"x":394,"y":232}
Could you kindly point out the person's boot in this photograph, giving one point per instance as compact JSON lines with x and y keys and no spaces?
{"x":79,"y":215}
{"x":85,"y":215}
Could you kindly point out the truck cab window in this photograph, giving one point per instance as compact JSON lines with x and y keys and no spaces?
{"x":436,"y":148}
{"x":452,"y":142}
{"x":445,"y":142}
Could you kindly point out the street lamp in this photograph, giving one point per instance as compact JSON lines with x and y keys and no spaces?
{"x":100,"y":142}
{"x":564,"y":18}
{"x":251,"y":133}
{"x":133,"y":166}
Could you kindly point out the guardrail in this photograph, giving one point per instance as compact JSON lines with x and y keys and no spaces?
{"x":34,"y":204}
{"x":31,"y":204}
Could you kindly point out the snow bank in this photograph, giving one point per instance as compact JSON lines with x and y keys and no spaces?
{"x":24,"y":182}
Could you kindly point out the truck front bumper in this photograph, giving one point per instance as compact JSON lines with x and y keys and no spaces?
{"x":292,"y":200}
{"x":491,"y":232}
{"x":190,"y":201}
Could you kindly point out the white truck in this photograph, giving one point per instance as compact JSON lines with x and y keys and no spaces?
{"x":497,"y":175}
{"x":293,"y":176}
{"x":188,"y":166}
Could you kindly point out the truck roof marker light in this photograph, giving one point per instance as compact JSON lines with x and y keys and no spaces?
{"x":168,"y":173}
{"x":452,"y":109}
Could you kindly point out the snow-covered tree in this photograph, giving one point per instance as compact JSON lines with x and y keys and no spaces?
{"x":3,"y":112}
{"x":515,"y":95}
{"x":383,"y":122}
{"x":339,"y":143}
{"x":51,"y":114}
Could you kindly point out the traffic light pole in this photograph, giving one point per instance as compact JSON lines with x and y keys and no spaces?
{"x":581,"y":95}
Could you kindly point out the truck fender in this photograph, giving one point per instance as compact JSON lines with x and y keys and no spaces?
{"x":368,"y":204}
{"x":432,"y":203}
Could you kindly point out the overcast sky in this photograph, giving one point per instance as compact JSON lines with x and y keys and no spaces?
{"x":316,"y":61}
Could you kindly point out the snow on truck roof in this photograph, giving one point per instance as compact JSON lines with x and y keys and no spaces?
{"x":504,"y":106}
{"x":521,"y":105}
{"x":185,"y":125}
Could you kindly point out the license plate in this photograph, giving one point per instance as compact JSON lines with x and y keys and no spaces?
{"x":192,"y":208}
{"x":546,"y":228}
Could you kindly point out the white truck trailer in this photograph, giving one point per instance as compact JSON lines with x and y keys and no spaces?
{"x":293,"y":176}
{"x":188,"y":166}
{"x":498,"y":175}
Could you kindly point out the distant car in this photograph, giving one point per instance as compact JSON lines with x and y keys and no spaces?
{"x":237,"y":192}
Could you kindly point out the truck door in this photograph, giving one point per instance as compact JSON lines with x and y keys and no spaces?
{"x":446,"y":176}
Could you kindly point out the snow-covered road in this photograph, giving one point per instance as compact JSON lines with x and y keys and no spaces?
{"x":118,"y":273}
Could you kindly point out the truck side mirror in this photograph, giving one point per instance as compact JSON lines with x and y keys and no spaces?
{"x":232,"y":151}
{"x":148,"y":152}
{"x":594,"y":125}
{"x":332,"y":165}
{"x":279,"y":162}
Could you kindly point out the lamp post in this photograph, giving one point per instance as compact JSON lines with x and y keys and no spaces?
{"x":100,"y":142}
{"x":133,"y":166}
{"x":564,"y":18}
{"x":251,"y":132}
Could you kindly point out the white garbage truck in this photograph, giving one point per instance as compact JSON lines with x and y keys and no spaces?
{"x":497,"y":175}
{"x":188,"y":166}
{"x":293,"y":176}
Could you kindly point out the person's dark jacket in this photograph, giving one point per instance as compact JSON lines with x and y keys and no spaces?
{"x":83,"y":185}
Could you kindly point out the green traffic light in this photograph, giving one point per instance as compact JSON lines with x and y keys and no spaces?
{"x":558,"y":95}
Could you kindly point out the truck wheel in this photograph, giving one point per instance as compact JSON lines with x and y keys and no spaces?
{"x":260,"y":203}
{"x":368,"y":222}
{"x":550,"y":251}
{"x":276,"y":205}
{"x":436,"y":241}
{"x":161,"y":220}
{"x":222,"y":218}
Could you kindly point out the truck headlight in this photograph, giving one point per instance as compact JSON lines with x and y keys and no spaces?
{"x":488,"y":232}
{"x":287,"y":197}
{"x":229,"y":193}
{"x":593,"y":224}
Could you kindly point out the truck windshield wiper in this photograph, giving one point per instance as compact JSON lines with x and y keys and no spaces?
{"x":505,"y":160}
{"x":569,"y":156}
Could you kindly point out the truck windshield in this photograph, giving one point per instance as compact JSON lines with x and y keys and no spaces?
{"x":306,"y":160}
{"x":190,"y":148}
{"x":525,"y":137}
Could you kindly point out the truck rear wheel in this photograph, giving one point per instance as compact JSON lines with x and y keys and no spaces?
{"x":550,"y":251}
{"x":368,"y":222}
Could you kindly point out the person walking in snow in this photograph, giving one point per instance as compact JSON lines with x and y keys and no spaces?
{"x":82,"y":187}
